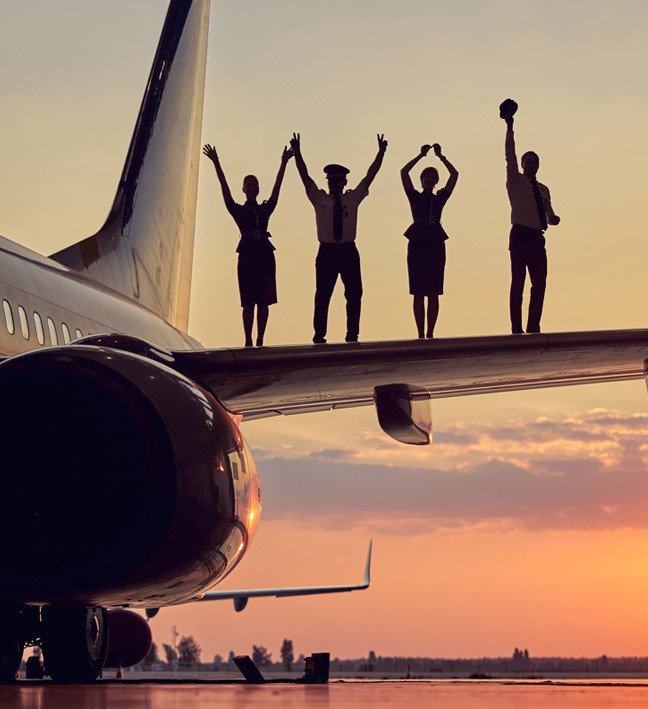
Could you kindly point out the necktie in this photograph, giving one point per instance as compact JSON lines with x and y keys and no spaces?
{"x":337,"y":218}
{"x":542,"y":216}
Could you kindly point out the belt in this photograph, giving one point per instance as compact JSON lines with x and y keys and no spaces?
{"x":254,"y":234}
{"x":336,"y":244}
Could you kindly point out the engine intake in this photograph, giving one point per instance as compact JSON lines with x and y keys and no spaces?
{"x":116,"y":485}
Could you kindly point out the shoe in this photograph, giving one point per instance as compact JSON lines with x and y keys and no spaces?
{"x":533,"y":332}
{"x":351,"y":339}
{"x":517,"y":332}
{"x":319,"y":340}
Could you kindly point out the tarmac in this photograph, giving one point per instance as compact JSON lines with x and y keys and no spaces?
{"x":343,"y":694}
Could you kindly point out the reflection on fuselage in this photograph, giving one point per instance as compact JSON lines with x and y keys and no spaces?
{"x":37,"y":290}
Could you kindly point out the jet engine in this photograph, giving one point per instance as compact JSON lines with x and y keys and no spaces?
{"x":129,"y":638}
{"x":123,"y":482}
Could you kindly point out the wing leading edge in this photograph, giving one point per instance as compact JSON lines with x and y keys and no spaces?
{"x":241,"y":597}
{"x":270,"y":381}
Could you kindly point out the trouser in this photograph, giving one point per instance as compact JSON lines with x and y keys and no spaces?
{"x":527,"y":251}
{"x":333,"y":260}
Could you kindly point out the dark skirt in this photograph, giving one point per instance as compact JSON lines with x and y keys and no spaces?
{"x":257,"y":277}
{"x":426,"y":260}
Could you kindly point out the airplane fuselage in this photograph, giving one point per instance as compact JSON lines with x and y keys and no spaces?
{"x":75,"y":305}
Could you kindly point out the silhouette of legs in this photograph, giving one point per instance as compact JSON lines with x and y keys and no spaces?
{"x":538,"y":274}
{"x":262,"y":321}
{"x":432,"y":314}
{"x":518,"y":276}
{"x":352,"y":279}
{"x":534,"y":258}
{"x":248,"y":321}
{"x":419,"y":314}
{"x":326,"y":273}
{"x":333,"y":260}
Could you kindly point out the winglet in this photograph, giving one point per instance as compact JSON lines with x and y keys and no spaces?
{"x":367,"y":574}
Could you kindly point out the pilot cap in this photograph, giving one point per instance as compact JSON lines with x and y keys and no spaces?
{"x":507,"y":108}
{"x":334,"y":170}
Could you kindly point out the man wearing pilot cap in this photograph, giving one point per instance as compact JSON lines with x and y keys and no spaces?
{"x":336,"y":217}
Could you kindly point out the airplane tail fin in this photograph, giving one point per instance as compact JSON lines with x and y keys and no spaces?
{"x":145,"y":247}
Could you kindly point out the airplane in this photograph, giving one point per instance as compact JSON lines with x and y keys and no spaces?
{"x":127,"y":482}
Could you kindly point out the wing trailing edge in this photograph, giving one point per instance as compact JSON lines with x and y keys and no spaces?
{"x":271,"y":381}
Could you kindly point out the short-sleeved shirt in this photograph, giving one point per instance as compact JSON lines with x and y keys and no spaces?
{"x":427,"y":208}
{"x":252,"y":220}
{"x":323,"y":203}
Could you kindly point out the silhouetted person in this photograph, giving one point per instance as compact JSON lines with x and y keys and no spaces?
{"x":256,"y":261}
{"x":336,"y":214}
{"x":531,"y":213}
{"x":426,"y":255}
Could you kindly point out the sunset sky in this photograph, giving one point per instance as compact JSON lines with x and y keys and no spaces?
{"x":526,"y":523}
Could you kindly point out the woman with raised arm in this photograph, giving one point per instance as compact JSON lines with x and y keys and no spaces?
{"x":256,"y":261}
{"x":426,"y":255}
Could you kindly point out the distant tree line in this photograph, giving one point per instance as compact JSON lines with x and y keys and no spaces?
{"x":186,"y":655}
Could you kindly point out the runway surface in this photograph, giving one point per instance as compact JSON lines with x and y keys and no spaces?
{"x":344,"y":694}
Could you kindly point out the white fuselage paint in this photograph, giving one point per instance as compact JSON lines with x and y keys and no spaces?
{"x":41,"y":285}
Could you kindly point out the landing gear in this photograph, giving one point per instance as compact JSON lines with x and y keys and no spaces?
{"x":11,"y":643}
{"x":75,"y":642}
{"x":11,"y":652}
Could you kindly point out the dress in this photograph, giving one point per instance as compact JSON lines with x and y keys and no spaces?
{"x":426,"y":255}
{"x":256,"y":263}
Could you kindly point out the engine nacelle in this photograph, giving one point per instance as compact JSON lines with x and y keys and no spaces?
{"x":129,"y":638}
{"x":123,"y":482}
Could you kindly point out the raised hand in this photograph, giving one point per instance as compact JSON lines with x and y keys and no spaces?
{"x":437,"y":150}
{"x":286,"y":154}
{"x":295,"y":143}
{"x":382,"y":143}
{"x":210,"y":152}
{"x":425,"y":149}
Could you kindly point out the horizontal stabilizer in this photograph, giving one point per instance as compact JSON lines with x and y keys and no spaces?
{"x":241,"y":597}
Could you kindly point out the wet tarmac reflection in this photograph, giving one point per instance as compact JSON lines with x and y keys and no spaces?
{"x":347,"y":694}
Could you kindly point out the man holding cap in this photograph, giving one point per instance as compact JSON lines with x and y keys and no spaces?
{"x":531,"y":213}
{"x":336,"y":216}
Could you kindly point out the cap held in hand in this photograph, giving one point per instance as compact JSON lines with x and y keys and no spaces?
{"x":507,"y":108}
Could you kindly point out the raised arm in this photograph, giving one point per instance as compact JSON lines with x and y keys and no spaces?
{"x":406,"y":169}
{"x":366,"y":181}
{"x":512,"y":168}
{"x":210,"y":152}
{"x":454,"y":173}
{"x":295,"y":144}
{"x":285,"y":156}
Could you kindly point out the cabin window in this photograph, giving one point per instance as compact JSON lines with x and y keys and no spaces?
{"x":24,"y":323}
{"x":52,"y":331}
{"x":66,"y":333}
{"x":8,"y":313}
{"x":40,"y":333}
{"x":78,"y":333}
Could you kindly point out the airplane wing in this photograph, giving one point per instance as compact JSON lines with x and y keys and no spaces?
{"x":241,"y":597}
{"x":269,"y":381}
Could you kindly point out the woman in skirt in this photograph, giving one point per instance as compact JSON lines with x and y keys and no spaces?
{"x":256,"y":261}
{"x":426,"y":248}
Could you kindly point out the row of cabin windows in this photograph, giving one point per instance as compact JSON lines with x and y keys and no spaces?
{"x":38,"y":325}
